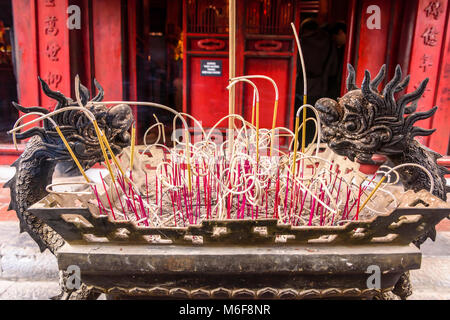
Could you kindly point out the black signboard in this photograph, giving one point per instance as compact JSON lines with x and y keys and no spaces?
{"x":211,"y":68}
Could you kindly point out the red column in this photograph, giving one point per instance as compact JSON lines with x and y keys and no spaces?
{"x":108,"y":47}
{"x":132,"y":51}
{"x":53,"y":47}
{"x":24,"y":12}
{"x":349,"y":47}
{"x":373,"y":37}
{"x":42,"y":49}
{"x":425,"y":56}
{"x":439,"y":141}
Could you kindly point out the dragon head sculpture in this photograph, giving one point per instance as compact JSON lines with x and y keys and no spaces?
{"x":77,"y":128}
{"x":45,"y":149}
{"x":365,"y":121}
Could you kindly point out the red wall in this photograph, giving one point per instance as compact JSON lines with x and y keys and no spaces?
{"x":401,"y":40}
{"x":441,"y":139}
{"x":108,"y":47}
{"x":426,"y":62}
{"x":53,"y":48}
{"x":373,"y":43}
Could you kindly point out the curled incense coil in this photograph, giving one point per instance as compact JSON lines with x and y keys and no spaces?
{"x":49,"y":188}
{"x":13,"y":131}
{"x":397,"y":175}
{"x":387,"y":174}
{"x":161,"y":132}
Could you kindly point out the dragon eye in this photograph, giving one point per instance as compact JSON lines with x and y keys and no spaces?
{"x":350,"y":126}
{"x":352,"y":122}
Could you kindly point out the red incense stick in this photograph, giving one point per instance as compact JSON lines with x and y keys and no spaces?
{"x":107,"y":197}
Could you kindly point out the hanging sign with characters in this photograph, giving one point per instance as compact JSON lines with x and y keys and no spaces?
{"x":212,"y":68}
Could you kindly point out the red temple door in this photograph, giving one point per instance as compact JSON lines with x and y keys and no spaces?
{"x":267,"y":47}
{"x":264,"y":46}
{"x":205,"y":63}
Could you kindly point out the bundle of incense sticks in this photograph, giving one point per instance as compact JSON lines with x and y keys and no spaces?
{"x":244,"y":175}
{"x":205,"y":178}
{"x":239,"y":186}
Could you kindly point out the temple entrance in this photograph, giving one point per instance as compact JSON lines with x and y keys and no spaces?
{"x":323,"y":34}
{"x":159,"y":58}
{"x":180,"y":35}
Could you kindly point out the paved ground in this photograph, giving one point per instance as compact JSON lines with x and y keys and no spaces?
{"x":25,"y":273}
{"x":432,"y":281}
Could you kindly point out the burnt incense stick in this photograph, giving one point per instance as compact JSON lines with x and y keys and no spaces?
{"x":372,"y":193}
{"x":305,"y":86}
{"x":107,"y":197}
{"x":105,"y":141}
{"x":120,"y":200}
{"x":133,"y":142}
{"x":72,"y":154}
{"x":102,"y":147}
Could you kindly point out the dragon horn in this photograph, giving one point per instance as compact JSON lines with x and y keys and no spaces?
{"x":411,"y":109}
{"x":84,"y":94}
{"x":417,"y":131}
{"x":413,"y":118}
{"x":100,"y":94}
{"x":402,"y":85}
{"x":33,"y":109}
{"x":389,"y":90}
{"x":29,"y":109}
{"x":351,"y":85}
{"x":410,"y":97}
{"x":32,"y":132}
{"x":371,"y":96}
{"x":377,"y":80}
{"x":55,"y":95}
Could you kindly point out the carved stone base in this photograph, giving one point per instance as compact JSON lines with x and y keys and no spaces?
{"x":266,"y":272}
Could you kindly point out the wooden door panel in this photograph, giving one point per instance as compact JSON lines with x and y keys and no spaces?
{"x":278,"y":70}
{"x":208,"y":96}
